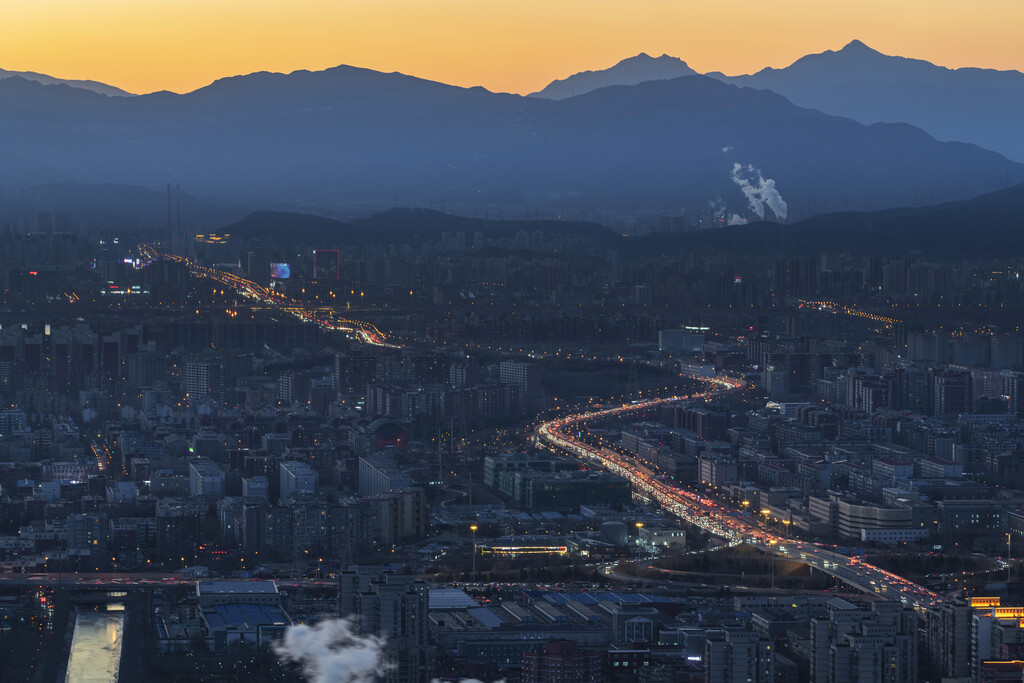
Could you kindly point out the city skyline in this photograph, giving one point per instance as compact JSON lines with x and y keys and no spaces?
{"x":504,"y":47}
{"x":341,"y":363}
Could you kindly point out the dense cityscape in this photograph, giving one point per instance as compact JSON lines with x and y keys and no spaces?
{"x":462,"y":342}
{"x":530,"y":457}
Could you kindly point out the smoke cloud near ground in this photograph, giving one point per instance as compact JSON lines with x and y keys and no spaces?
{"x":759,"y":191}
{"x":332,"y":652}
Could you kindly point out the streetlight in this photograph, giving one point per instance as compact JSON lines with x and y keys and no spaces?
{"x":787,"y":522}
{"x":1009,"y":560}
{"x":771,"y":543}
{"x":472,"y":527}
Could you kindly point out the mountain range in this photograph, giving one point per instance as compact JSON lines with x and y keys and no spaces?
{"x":120,"y":207}
{"x":629,"y":71}
{"x":93,"y":86}
{"x":987,"y":226}
{"x":395,"y":226}
{"x":344,"y":137}
{"x":982,"y":106}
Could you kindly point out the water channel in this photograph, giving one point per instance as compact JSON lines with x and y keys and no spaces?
{"x":96,"y":646}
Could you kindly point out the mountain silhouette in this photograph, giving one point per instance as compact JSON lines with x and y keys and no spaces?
{"x":348,"y":137}
{"x":113,"y":206}
{"x":629,"y":71}
{"x":987,"y":226}
{"x":983,"y":106}
{"x":395,"y":225}
{"x":94,"y":86}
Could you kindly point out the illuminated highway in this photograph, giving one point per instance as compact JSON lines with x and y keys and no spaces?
{"x":716,"y":518}
{"x":116,"y":581}
{"x":326,"y":317}
{"x":694,"y":508}
{"x":835,"y":307}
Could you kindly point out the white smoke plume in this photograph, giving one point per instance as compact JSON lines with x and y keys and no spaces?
{"x":736,"y":219}
{"x":759,"y":191}
{"x":332,"y":652}
{"x":717,"y":207}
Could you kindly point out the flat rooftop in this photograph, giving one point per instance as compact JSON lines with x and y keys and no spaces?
{"x":236,"y":587}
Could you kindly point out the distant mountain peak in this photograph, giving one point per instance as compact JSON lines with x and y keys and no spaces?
{"x":643,"y":56}
{"x":981,"y":106}
{"x":857,"y":46}
{"x":630,"y":71}
{"x":642,"y":59}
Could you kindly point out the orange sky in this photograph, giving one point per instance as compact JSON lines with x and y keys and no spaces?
{"x":504,"y":45}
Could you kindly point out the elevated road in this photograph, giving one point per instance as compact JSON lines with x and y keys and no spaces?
{"x":325,"y":317}
{"x":134,"y":581}
{"x":716,"y":518}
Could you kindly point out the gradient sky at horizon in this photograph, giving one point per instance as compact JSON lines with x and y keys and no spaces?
{"x":503,"y":45}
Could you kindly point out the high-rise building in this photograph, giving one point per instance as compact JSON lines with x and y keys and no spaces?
{"x":991,"y":634}
{"x":526,"y":376}
{"x":860,"y":644}
{"x":351,"y":374}
{"x":948,"y":641}
{"x":88,"y":532}
{"x":795,"y":277}
{"x":203,"y":378}
{"x":952,"y":392}
{"x":326,"y":264}
{"x":1013,"y":389}
{"x":378,"y":473}
{"x":738,"y":656}
{"x":402,"y":515}
{"x":395,"y":608}
{"x":177,"y":529}
{"x":205,"y":479}
{"x":297,"y":479}
{"x":561,"y":661}
{"x":256,"y":488}
{"x":1007,"y":351}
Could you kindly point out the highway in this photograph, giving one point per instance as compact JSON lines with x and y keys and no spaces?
{"x":116,"y":581}
{"x":717,"y":519}
{"x":689,"y":506}
{"x":324,"y":316}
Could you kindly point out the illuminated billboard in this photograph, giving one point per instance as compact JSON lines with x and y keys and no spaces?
{"x":280,"y":271}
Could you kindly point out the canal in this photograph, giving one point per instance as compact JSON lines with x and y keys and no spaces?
{"x":96,"y":645}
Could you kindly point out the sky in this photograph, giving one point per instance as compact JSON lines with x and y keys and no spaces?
{"x":503,"y":45}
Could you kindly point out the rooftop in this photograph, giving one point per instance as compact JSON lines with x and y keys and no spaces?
{"x":449,"y":598}
{"x":236,"y":587}
{"x":244,"y":617}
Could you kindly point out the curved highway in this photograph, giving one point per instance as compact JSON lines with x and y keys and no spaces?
{"x":714,"y":517}
{"x":691,"y":507}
